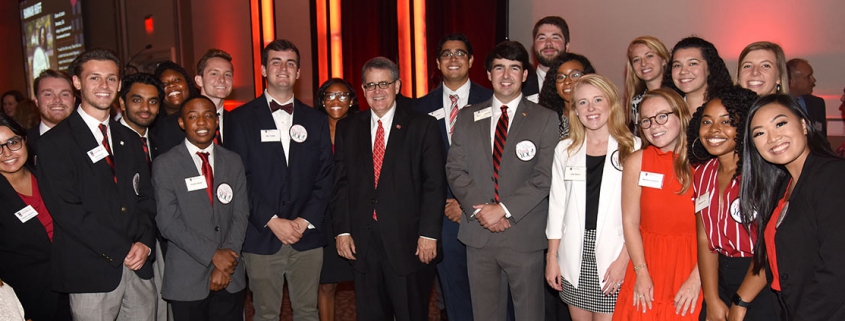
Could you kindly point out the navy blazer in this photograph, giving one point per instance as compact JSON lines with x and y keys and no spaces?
{"x":434,"y":101}
{"x":96,"y":220}
{"x":297,"y":187}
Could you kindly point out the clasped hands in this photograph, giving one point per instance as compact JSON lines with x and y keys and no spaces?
{"x":492,"y":217}
{"x":225,"y":261}
{"x":288,"y":231}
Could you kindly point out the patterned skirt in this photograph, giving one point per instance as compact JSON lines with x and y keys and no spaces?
{"x":588,"y":295}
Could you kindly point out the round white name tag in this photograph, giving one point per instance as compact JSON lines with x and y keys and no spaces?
{"x":298,"y":133}
{"x":136,"y":181}
{"x":735,"y":211}
{"x":224,"y":193}
{"x":614,"y":160}
{"x":525,"y":150}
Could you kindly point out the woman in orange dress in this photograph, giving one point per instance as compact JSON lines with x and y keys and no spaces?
{"x":662,"y":281}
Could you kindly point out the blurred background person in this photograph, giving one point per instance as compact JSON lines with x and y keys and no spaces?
{"x":647,"y":63}
{"x":801,"y":83}
{"x":10,"y":102}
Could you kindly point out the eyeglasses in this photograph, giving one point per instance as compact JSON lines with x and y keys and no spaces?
{"x":340,"y":96}
{"x":660,"y":119}
{"x":382,"y":84}
{"x":446,"y":55}
{"x":575,"y":74}
{"x":14,"y":144}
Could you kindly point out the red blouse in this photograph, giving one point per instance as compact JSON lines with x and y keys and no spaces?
{"x":722,"y":222}
{"x":769,"y":237}
{"x":37,"y":204}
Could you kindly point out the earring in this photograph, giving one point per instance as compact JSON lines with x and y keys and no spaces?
{"x":698,"y":139}
{"x":778,"y":88}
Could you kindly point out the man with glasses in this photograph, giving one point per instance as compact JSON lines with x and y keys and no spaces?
{"x":551,"y":40}
{"x":454,"y":58}
{"x":287,"y":154}
{"x":499,"y":169}
{"x":388,"y":202}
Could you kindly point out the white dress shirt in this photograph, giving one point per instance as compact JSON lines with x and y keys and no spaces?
{"x":220,"y":118}
{"x":283,"y":122}
{"x":193,"y":149}
{"x":42,"y":128}
{"x":386,"y":123}
{"x":541,"y":78}
{"x":94,"y":126}
{"x":463,"y":100}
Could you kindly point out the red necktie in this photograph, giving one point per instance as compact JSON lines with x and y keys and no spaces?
{"x":498,"y":146}
{"x":146,"y":151}
{"x":209,"y":176}
{"x":378,"y":157}
{"x":274,"y":106}
{"x":453,"y":114}
{"x":109,"y":159}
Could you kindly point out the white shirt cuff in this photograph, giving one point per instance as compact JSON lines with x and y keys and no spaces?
{"x":507,"y":213}
{"x":475,"y":212}
{"x":310,"y":226}
{"x":268,"y":221}
{"x":428,"y":238}
{"x":343,"y":234}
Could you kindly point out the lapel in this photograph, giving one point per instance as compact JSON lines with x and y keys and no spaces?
{"x":220,"y":177}
{"x":122,"y":153}
{"x":397,"y":137}
{"x":299,"y":118}
{"x":610,"y":178}
{"x":482,"y":127}
{"x":519,"y":116}
{"x":264,"y":120}
{"x":10,"y":198}
{"x":579,"y":188}
{"x":437,"y":96}
{"x":86,"y":142}
{"x":476,"y":93}
{"x":365,"y":144}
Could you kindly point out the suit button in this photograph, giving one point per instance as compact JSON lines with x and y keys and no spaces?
{"x":784,"y":277}
{"x":492,"y":179}
{"x":123,"y":209}
{"x":492,"y":200}
{"x":284,"y":203}
{"x":374,"y":201}
{"x":216,"y":228}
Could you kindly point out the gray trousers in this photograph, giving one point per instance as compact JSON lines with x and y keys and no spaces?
{"x":523,"y":271}
{"x":134,"y":299}
{"x":267,"y":274}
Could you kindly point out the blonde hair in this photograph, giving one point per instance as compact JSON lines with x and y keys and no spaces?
{"x":633,"y":84}
{"x":783,"y":75}
{"x":683,"y":170}
{"x":616,"y":123}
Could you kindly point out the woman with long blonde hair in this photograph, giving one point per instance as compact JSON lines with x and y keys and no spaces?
{"x":647,"y":61}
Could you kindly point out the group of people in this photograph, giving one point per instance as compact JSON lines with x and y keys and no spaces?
{"x":652,"y":204}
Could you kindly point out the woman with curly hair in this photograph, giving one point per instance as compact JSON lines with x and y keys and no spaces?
{"x":696,"y":71}
{"x":178,"y":86}
{"x":725,"y":247}
{"x":647,"y":62}
{"x":762,"y":68}
{"x":557,"y":87}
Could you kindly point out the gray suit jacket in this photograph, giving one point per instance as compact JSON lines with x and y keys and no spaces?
{"x":192,"y":227}
{"x":523,"y":184}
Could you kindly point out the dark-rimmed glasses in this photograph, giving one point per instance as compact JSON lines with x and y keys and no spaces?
{"x":382,"y":85}
{"x":14,"y":144}
{"x":446,"y":55}
{"x":573,"y":75}
{"x":660,"y":119}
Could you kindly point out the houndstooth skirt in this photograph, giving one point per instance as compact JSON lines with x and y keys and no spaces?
{"x":588,"y":295}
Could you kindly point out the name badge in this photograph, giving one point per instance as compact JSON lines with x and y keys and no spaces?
{"x":653,"y":180}
{"x":483,"y":114}
{"x":97,"y":154}
{"x":270,"y":135}
{"x":575,"y":173}
{"x":26,"y":214}
{"x":224,"y":193}
{"x":196,"y":183}
{"x":438,"y":114}
{"x":702,"y":202}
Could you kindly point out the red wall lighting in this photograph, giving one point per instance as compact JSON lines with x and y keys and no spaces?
{"x":148,"y":24}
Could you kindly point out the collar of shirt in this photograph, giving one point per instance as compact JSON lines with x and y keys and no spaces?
{"x":94,"y":126}
{"x":193,"y":149}
{"x":541,"y":77}
{"x":463,"y":96}
{"x":146,"y":135}
{"x":386,"y":123}
{"x":497,"y":112}
{"x":42,"y":128}
{"x":270,"y":98}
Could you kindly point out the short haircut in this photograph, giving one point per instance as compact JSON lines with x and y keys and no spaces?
{"x":454,"y":37}
{"x":212,"y":53}
{"x":75,"y":67}
{"x":510,"y":50}
{"x":50,"y":73}
{"x":380,"y":63}
{"x":195,"y":97}
{"x":279,"y":45}
{"x":169,"y":65}
{"x":554,"y":21}
{"x":792,"y":64}
{"x":141,"y":78}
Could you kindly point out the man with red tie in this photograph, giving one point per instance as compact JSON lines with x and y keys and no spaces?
{"x":389,"y":195}
{"x":287,"y":154}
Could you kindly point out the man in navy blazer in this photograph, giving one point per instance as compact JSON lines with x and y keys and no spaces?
{"x":454,"y":58}
{"x":287,"y":154}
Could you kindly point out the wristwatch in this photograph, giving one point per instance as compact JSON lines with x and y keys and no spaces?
{"x":737,"y":300}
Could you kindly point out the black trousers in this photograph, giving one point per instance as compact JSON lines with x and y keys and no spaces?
{"x":732,"y":271}
{"x":217,"y":306}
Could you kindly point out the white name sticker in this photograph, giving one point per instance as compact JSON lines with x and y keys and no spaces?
{"x":702,"y":202}
{"x":483,"y":114}
{"x":97,"y":153}
{"x":653,"y":180}
{"x":270,"y":135}
{"x":438,"y":114}
{"x":196,"y":183}
{"x":575,"y":173}
{"x":26,"y":214}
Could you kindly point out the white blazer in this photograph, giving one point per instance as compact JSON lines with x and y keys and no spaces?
{"x":567,"y":209}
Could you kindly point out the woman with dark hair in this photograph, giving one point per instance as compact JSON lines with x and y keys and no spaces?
{"x":337,"y":99}
{"x":11,"y":99}
{"x":26,"y":230}
{"x":178,"y":86}
{"x":647,"y":63}
{"x":725,"y":247}
{"x":696,"y":71}
{"x":557,"y":87}
{"x":792,"y":190}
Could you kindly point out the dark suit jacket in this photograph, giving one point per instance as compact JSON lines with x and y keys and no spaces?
{"x":816,"y":111}
{"x":810,"y":250}
{"x":32,"y":136}
{"x":411,"y":193}
{"x":96,"y":220}
{"x":531,"y":86}
{"x":25,"y":256}
{"x":434,"y":101}
{"x":298,"y":187}
{"x":194,"y":229}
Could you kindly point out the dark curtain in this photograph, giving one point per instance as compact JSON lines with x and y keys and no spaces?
{"x":369,"y":30}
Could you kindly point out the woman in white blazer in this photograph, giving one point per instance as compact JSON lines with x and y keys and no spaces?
{"x":585,"y":203}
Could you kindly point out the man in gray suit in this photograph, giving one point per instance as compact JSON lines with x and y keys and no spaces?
{"x":499,"y":169}
{"x":203,"y":214}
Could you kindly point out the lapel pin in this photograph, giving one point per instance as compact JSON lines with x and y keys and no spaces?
{"x":523,"y":115}
{"x":121,"y":143}
{"x":398,"y":126}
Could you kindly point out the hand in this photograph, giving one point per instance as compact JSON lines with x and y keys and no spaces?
{"x":219,"y":280}
{"x":737,"y":313}
{"x":346,"y":247}
{"x":301,"y":225}
{"x":453,"y":210}
{"x":489,"y":215}
{"x":501,"y":226}
{"x":717,"y":310}
{"x":426,"y":249}
{"x":137,"y":256}
{"x":285,"y":230}
{"x":687,"y":295}
{"x":644,"y":290}
{"x":225,"y":260}
{"x":553,"y":277}
{"x":614,"y":276}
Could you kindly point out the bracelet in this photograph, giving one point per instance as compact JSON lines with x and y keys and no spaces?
{"x":639,"y":267}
